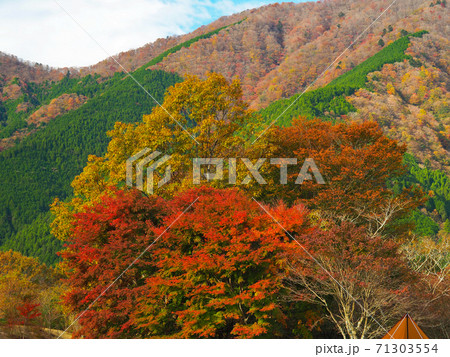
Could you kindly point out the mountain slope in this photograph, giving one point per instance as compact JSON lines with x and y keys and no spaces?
{"x":277,"y":51}
{"x":281,"y":49}
{"x":11,"y":67}
{"x":42,"y":166}
{"x":330,"y":101}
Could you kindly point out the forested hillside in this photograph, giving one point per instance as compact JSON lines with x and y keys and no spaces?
{"x":330,"y":101}
{"x":11,"y":67}
{"x":43,"y":165}
{"x":26,"y":105}
{"x":409,"y":100}
{"x":281,"y":48}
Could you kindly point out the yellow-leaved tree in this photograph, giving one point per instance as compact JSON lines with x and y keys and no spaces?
{"x":198,"y":119}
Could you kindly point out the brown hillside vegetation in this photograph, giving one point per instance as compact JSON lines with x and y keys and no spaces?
{"x":57,"y":106}
{"x":135,"y":58}
{"x":411,"y":104}
{"x":11,"y":66}
{"x":280,"y":49}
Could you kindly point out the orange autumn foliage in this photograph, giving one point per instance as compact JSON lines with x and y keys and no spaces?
{"x":214,"y":271}
{"x":356,"y":161}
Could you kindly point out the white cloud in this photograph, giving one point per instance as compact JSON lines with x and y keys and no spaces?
{"x":42,"y":32}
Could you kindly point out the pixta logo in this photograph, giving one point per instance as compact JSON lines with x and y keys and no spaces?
{"x":144,"y":161}
{"x":253,"y":168}
{"x":143,"y":165}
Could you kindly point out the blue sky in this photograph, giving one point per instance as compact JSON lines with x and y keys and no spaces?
{"x":40,"y":31}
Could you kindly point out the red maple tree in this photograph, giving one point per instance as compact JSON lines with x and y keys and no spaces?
{"x":105,"y":240}
{"x":220,"y":269}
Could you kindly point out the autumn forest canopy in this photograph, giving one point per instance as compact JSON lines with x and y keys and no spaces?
{"x":86,"y":255}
